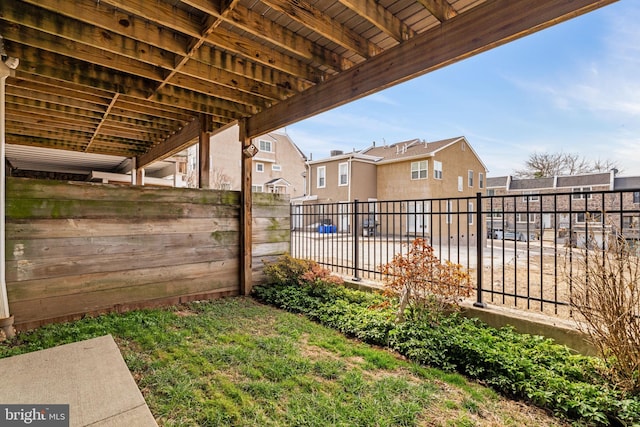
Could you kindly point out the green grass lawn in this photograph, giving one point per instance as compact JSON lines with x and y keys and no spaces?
{"x":237,"y":362}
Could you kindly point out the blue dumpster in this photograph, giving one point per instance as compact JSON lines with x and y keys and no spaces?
{"x":327,"y":229}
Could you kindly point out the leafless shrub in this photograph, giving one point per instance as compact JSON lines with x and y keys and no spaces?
{"x":606,"y":296}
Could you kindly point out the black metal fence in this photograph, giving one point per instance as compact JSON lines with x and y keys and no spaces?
{"x":520,"y":249}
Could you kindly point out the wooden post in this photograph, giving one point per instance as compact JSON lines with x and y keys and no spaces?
{"x":246,"y":216}
{"x":204,"y":153}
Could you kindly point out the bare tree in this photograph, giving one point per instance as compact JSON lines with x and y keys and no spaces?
{"x":220,"y":181}
{"x":540,"y":165}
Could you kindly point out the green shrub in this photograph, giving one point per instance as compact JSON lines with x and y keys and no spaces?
{"x":518,"y":365}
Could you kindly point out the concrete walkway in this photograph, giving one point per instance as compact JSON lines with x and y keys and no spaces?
{"x":90,"y":376}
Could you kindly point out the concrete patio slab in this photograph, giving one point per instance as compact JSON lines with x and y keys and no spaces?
{"x":90,"y":376}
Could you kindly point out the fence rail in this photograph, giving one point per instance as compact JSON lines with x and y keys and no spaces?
{"x":519,"y":249}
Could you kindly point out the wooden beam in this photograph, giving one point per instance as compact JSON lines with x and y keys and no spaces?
{"x":484,"y":27}
{"x":441,"y":9}
{"x":175,"y":143}
{"x":137,"y":35}
{"x":104,"y":118}
{"x":47,"y":64}
{"x":314,"y":19}
{"x":204,"y":152}
{"x":246,"y":215}
{"x":384,"y":20}
{"x":180,"y":21}
{"x":259,"y":26}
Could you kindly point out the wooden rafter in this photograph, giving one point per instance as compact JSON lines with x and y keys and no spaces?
{"x":484,"y":27}
{"x":310,"y":16}
{"x":102,"y":122}
{"x":154,"y":67}
{"x":373,"y":12}
{"x":441,"y":9}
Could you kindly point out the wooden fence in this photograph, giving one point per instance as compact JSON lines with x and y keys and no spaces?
{"x":78,"y":248}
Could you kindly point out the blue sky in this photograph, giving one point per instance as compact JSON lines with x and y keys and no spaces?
{"x":574,"y":87}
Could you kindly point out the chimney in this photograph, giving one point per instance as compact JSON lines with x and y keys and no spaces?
{"x":336,"y":153}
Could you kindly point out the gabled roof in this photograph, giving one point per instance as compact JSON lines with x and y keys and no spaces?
{"x":416,"y":149}
{"x":280,"y":181}
{"x":281,"y":136}
{"x":355,"y":155}
{"x":405,"y":150}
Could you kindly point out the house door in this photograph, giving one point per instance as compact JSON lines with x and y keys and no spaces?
{"x":416,"y":218}
{"x":343,"y":215}
{"x":546,"y":221}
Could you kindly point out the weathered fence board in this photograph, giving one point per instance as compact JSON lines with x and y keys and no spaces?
{"x":78,"y":248}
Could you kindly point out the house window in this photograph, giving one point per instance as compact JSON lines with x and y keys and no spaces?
{"x":266,"y":146}
{"x":322,"y":173}
{"x":480,"y":180}
{"x":530,"y":196}
{"x":437,"y":169}
{"x":256,"y":188}
{"x":419,"y":170}
{"x":449,"y":216}
{"x":259,"y":167}
{"x":460,"y":183}
{"x":497,"y":214}
{"x":343,"y":174}
{"x":276,"y":168}
{"x":580,"y":218}
{"x":491,"y":192}
{"x":523,"y":217}
{"x":470,"y":214}
{"x":470,"y":179}
{"x":636,"y":197}
{"x":630,"y":221}
{"x":579,"y":190}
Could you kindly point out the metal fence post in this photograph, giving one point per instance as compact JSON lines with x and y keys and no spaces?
{"x":354,"y":234}
{"x":479,"y":243}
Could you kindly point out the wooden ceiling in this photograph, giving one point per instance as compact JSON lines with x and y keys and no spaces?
{"x":138,"y":78}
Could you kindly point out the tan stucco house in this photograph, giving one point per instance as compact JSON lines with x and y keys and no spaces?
{"x":278,"y":167}
{"x":404,"y":172}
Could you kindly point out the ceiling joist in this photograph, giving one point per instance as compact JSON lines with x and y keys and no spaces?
{"x":132,"y":77}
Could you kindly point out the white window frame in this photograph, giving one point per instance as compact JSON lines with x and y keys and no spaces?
{"x":342,"y":165}
{"x":265,"y":143}
{"x":257,"y":189}
{"x":260,"y":167}
{"x":530,"y":218}
{"x":460,"y":184}
{"x":480,"y":180}
{"x":470,"y":175}
{"x":437,"y":169}
{"x":581,"y":196}
{"x":421,"y":170}
{"x":449,"y":210}
{"x":321,"y":177}
{"x":496,"y":214}
{"x":531,"y":196}
{"x":470,"y":213}
{"x":276,"y":168}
